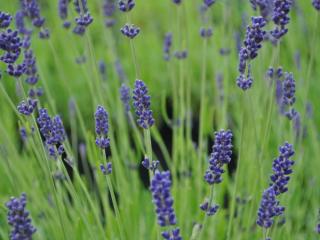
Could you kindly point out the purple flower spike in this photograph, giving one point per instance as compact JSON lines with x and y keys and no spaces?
{"x":173,"y":235}
{"x":162,"y":199}
{"x":318,"y":225}
{"x":125,"y":96}
{"x":280,"y":17}
{"x":288,"y":94}
{"x":142,"y":105}
{"x":11,"y":44}
{"x":209,"y":210}
{"x":269,"y":208}
{"x":316,"y":5}
{"x":5,"y":19}
{"x":102,"y":127}
{"x":208,"y":3}
{"x":31,"y":10}
{"x":63,"y":9}
{"x":27,"y":107}
{"x":252,"y":43}
{"x":177,"y":1}
{"x":126,"y":5}
{"x":167,"y":43}
{"x":150,"y":166}
{"x":206,"y":32}
{"x":19,"y":219}
{"x":282,"y":168}
{"x":106,"y":169}
{"x":16,"y":70}
{"x":181,"y":54}
{"x":80,"y":6}
{"x":130,"y":31}
{"x":30,"y":67}
{"x":221,"y":155}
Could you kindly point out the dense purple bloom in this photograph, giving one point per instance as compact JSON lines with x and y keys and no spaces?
{"x":209,"y":210}
{"x":245,"y":82}
{"x":126,"y":5}
{"x":208,"y":3}
{"x":288,"y":94}
{"x":142,"y":105}
{"x":30,"y":67}
{"x":221,"y":154}
{"x":152,"y":166}
{"x":31,"y":9}
{"x":52,"y":130}
{"x":79,"y":30}
{"x":265,"y":7}
{"x":27,"y":107}
{"x":280,"y":17}
{"x":84,"y":20}
{"x":106,"y":169}
{"x":206,"y":32}
{"x":316,"y":4}
{"x":167,"y":43}
{"x":33,"y":93}
{"x":5,"y":19}
{"x":181,"y":54}
{"x":173,"y":235}
{"x":162,"y":199}
{"x":130,"y":31}
{"x":63,"y":9}
{"x":19,"y":219}
{"x":252,"y":43}
{"x":16,"y":70}
{"x":102,"y":127}
{"x":269,"y":208}
{"x":11,"y":43}
{"x":282,"y":168}
{"x":125,"y":96}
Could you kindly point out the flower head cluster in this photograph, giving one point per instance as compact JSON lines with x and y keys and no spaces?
{"x":109,"y":8}
{"x":84,"y":18}
{"x":206,"y":32}
{"x":31,"y":68}
{"x":26,"y":107}
{"x":125,"y":96}
{"x":288,"y":94}
{"x":142,"y":105}
{"x":11,"y":44}
{"x":209,"y":209}
{"x":152,"y":166}
{"x":265,"y":7}
{"x":316,"y":4}
{"x":282,"y":168}
{"x":167,"y":43}
{"x":318,"y":225}
{"x":19,"y":219}
{"x":162,"y":199}
{"x":106,"y":169}
{"x":177,"y":1}
{"x":130,"y":31}
{"x":126,"y":5}
{"x":5,"y":19}
{"x":31,"y":9}
{"x":102,"y":127}
{"x":208,"y":3}
{"x":53,"y":132}
{"x":63,"y":12}
{"x":221,"y":155}
{"x":173,"y":235}
{"x":269,"y":208}
{"x":252,"y":43}
{"x":183,"y":54}
{"x":280,"y":17}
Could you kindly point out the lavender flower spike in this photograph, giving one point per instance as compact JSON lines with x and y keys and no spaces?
{"x":162,"y":199}
{"x":130,"y":31}
{"x":19,"y":219}
{"x":167,"y":43}
{"x":142,"y":105}
{"x":125,"y":96}
{"x":126,"y":5}
{"x":106,"y":169}
{"x":269,"y":208}
{"x":316,"y":5}
{"x":221,"y":154}
{"x":5,"y":19}
{"x":288,"y":97}
{"x":282,"y":168}
{"x":102,"y":127}
{"x":280,"y":17}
